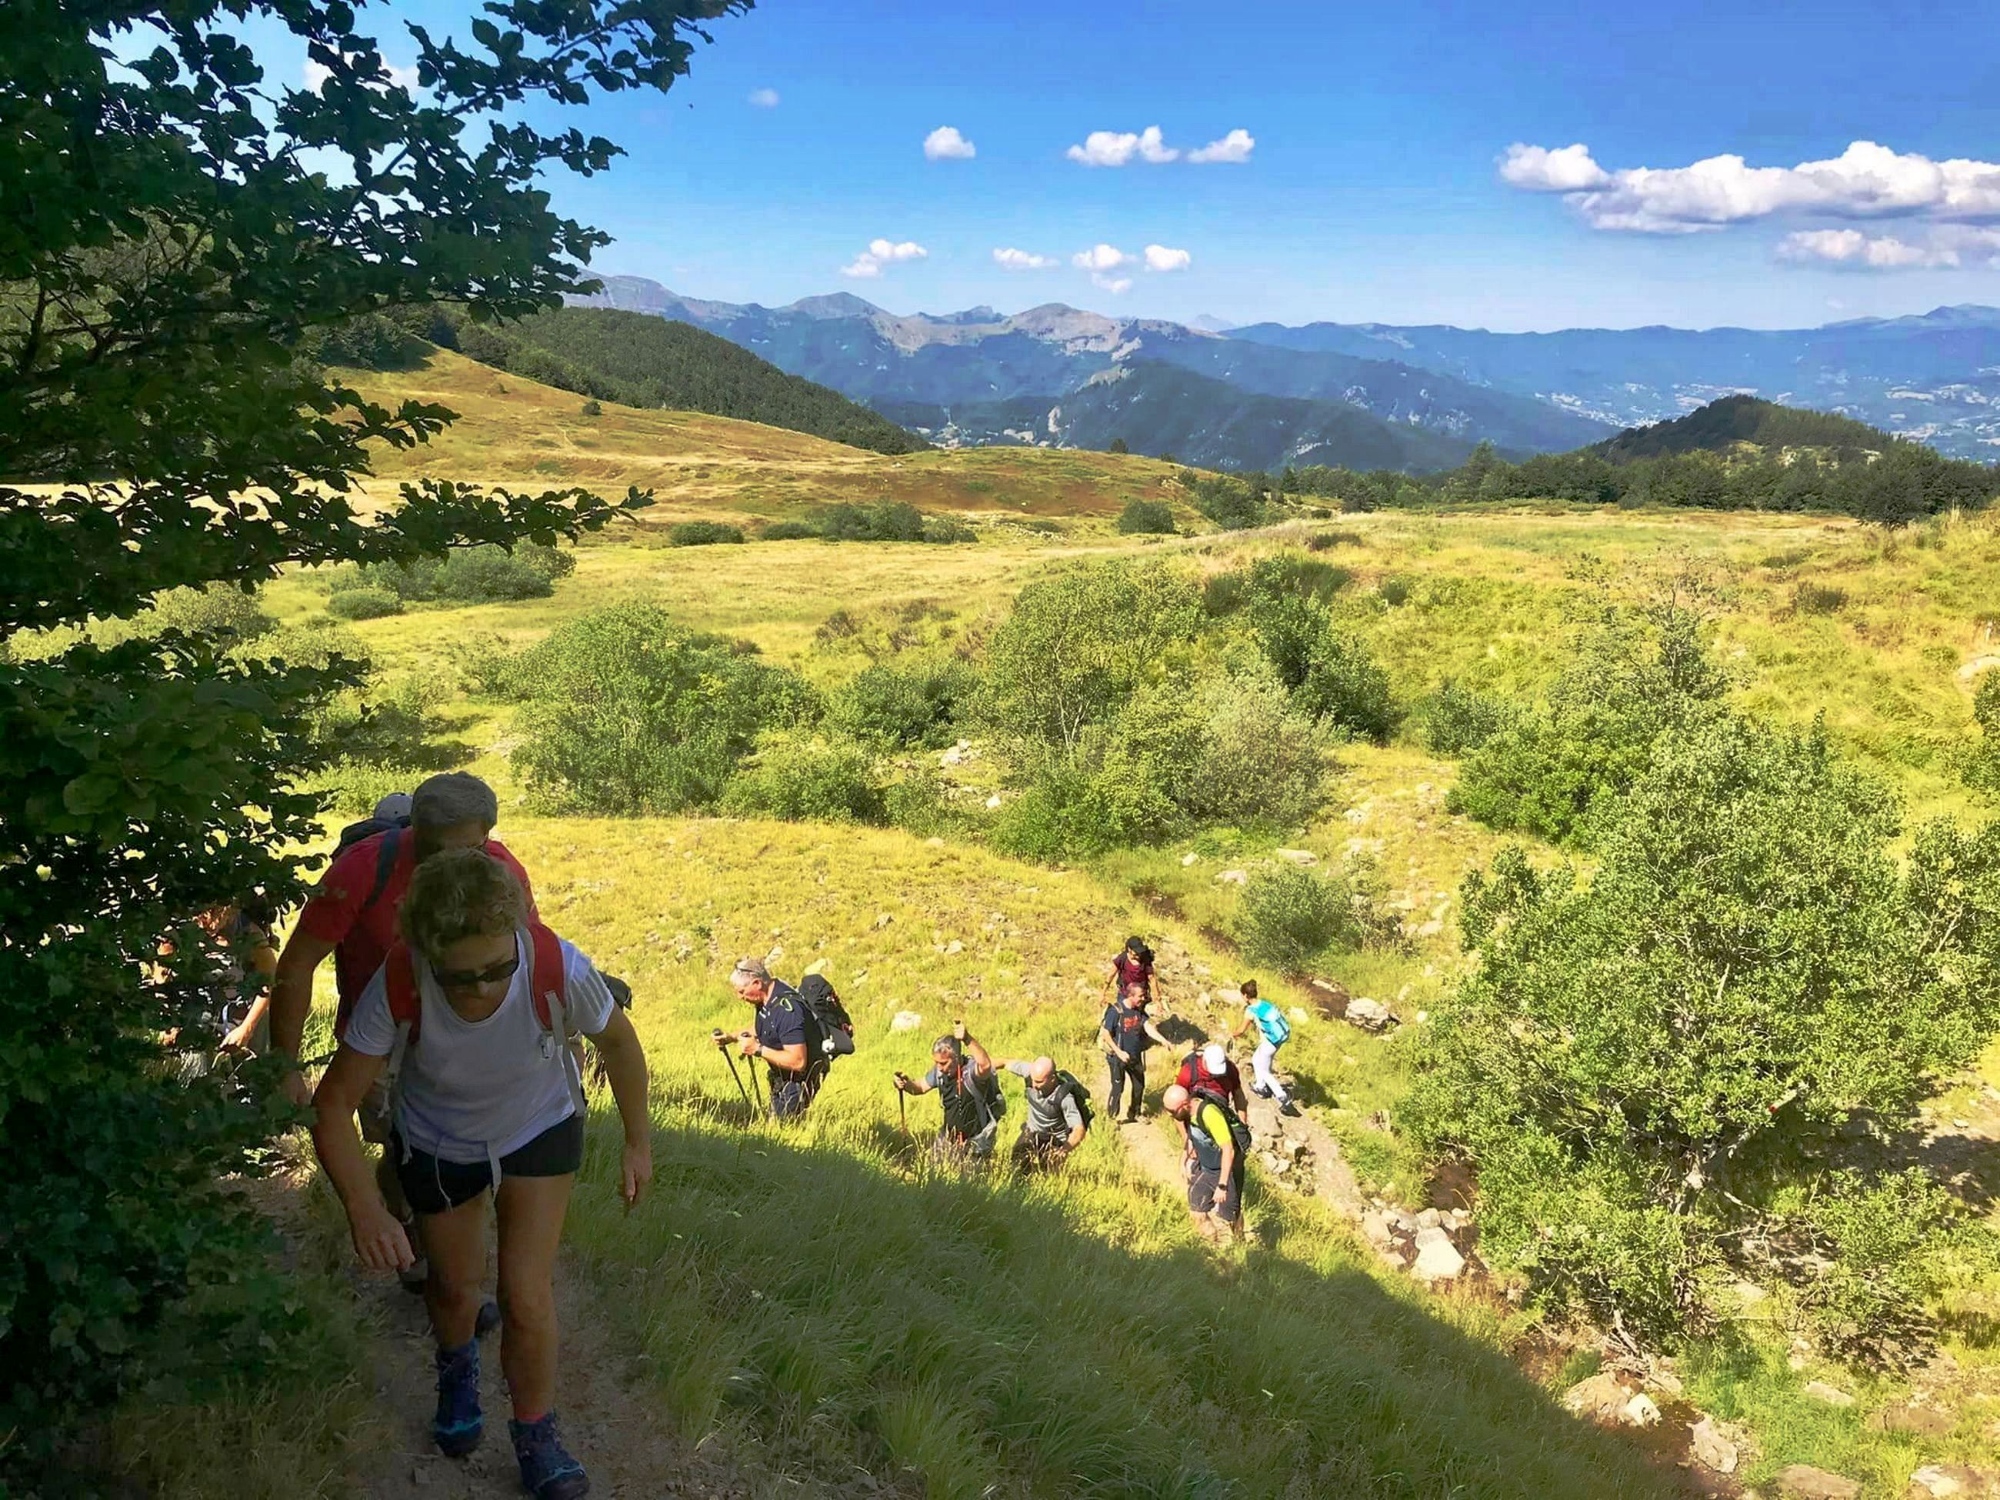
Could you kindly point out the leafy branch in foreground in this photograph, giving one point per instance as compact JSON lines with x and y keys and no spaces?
{"x":178,"y":223}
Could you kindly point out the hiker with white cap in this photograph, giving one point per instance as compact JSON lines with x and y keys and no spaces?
{"x":1209,"y":1068}
{"x":471,"y":1019}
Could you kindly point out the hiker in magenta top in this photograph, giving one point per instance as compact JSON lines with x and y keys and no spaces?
{"x":1131,"y":970}
{"x":471,"y":1020}
{"x":352,"y":914}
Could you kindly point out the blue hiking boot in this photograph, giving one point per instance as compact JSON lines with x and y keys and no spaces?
{"x":458,"y":1425}
{"x":547,"y":1470}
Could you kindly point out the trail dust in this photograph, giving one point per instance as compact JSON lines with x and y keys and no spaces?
{"x":606,"y":1405}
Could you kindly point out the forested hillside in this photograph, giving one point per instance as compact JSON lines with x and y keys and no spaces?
{"x":1720,"y":425}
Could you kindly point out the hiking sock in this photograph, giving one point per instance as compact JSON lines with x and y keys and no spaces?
{"x":458,"y":1425}
{"x":547,"y":1470}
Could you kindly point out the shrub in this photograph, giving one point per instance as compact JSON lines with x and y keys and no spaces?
{"x":1289,"y":916}
{"x":630,"y":713}
{"x":590,"y":409}
{"x":919,"y":802}
{"x":1458,"y":720}
{"x":1321,"y":541}
{"x":362,"y":603}
{"x":1262,"y":762}
{"x":788,"y":531}
{"x":891,"y":521}
{"x":1394,"y":590}
{"x":1230,"y":503}
{"x":395,"y":725}
{"x":702,"y":534}
{"x":1055,"y":817}
{"x":1818,"y":599}
{"x":801,"y":776}
{"x":948,"y":531}
{"x":1222,"y":594}
{"x":1147,"y":518}
{"x":909,"y":707}
{"x":220,"y":612}
{"x":1331,"y":675}
{"x":315,"y":643}
{"x":1776,"y":973}
{"x":483,"y":575}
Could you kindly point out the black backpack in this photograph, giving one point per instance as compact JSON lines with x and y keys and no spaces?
{"x":385,"y":855}
{"x":836,"y":1026}
{"x":1239,"y":1132}
{"x":1068,"y":1080}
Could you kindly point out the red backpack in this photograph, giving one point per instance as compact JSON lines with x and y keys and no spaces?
{"x":548,"y":987}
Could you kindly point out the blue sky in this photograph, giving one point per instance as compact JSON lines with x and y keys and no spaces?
{"x":1380,"y":185}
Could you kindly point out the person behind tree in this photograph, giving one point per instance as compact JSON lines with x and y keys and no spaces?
{"x":1057,"y":1122}
{"x":961,"y":1073}
{"x":1273,"y":1031}
{"x":352,"y":915}
{"x":1124,"y":1034}
{"x":1214,"y":1163}
{"x":471,"y":1017}
{"x":785,"y":1037}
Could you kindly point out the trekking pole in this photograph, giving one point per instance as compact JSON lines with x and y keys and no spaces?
{"x":722,"y":1046}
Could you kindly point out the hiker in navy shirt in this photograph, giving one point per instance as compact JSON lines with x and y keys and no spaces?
{"x":1125,"y":1033}
{"x":785,"y":1038}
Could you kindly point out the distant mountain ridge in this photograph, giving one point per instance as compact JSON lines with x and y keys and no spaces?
{"x":977,"y":357}
{"x":1747,"y":420}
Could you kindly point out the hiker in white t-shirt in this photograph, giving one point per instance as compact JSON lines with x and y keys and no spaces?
{"x":1273,"y":1031}
{"x":472,"y":1014}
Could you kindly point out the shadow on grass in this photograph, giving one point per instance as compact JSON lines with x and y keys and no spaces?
{"x":826,"y":1301}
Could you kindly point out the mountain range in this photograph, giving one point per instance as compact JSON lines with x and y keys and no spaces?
{"x":1362,"y":395}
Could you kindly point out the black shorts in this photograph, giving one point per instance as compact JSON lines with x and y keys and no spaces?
{"x":1201,"y":1192}
{"x":434,"y":1186}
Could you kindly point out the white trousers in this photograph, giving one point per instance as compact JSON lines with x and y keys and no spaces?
{"x":1260,"y":1065}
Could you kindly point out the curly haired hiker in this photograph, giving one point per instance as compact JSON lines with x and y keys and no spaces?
{"x":471,"y":1018}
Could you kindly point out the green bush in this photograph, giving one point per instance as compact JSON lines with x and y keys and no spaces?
{"x":914,"y":707}
{"x":1457,"y":720}
{"x":395,"y":725}
{"x":629,"y":713}
{"x":1330,"y":674}
{"x":919,"y":802}
{"x":219,"y":612}
{"x":891,"y":521}
{"x":363,"y":603}
{"x":948,"y":531}
{"x":1777,"y":973}
{"x":590,"y":409}
{"x":1631,"y":679}
{"x":1818,"y":599}
{"x":1222,"y":594}
{"x":702,"y":534}
{"x":1055,"y":817}
{"x":788,"y":531}
{"x":1262,"y":763}
{"x":1394,"y":590}
{"x":1230,"y":503}
{"x":801,"y":776}
{"x":1289,"y":916}
{"x":485,"y":575}
{"x":1147,"y":518}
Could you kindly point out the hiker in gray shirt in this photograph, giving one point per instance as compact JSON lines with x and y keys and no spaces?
{"x":1058,"y":1114}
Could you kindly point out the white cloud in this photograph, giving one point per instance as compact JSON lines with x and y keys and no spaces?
{"x":1011,"y":259}
{"x":1110,"y":148}
{"x":1160,"y":258}
{"x":1101,"y":258}
{"x":764,"y":98}
{"x":1234,"y":147}
{"x":946,"y":144}
{"x":1866,"y":181}
{"x":1946,"y":247}
{"x":318,"y":73}
{"x":880,"y":253}
{"x":1111,"y":284}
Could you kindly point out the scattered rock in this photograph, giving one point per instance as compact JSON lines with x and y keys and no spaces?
{"x":1598,"y":1398}
{"x":1804,"y":1482}
{"x":1369,"y":1015}
{"x":952,"y":757}
{"x":1748,"y":1293}
{"x":1429,"y":929}
{"x":1297,"y":856}
{"x":1918,"y":1421}
{"x":1296,"y":1013}
{"x":1190,"y":859}
{"x":1710,"y":1448}
{"x":1378,"y":1228}
{"x":933,"y":843}
{"x":883,"y":921}
{"x":953,"y":948}
{"x":1819,"y":1390}
{"x":993,"y":802}
{"x":1234,"y":877}
{"x":1941,"y":1481}
{"x":1329,"y":997}
{"x":1430,"y":1218}
{"x":906,"y":1020}
{"x":1437,"y":1257}
{"x":1640,"y":1411}
{"x":1660,"y":1376}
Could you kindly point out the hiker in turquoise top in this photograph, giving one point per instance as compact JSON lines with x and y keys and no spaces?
{"x":1273,"y":1031}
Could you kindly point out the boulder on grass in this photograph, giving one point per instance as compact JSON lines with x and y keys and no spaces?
{"x":1804,"y":1482}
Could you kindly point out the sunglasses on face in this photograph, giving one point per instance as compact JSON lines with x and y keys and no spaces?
{"x":465,"y":979}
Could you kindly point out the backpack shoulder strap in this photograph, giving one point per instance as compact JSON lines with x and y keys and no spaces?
{"x":399,"y":978}
{"x":385,"y":865}
{"x":548,"y":982}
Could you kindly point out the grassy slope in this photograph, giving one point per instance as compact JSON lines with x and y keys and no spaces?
{"x":513,"y":431}
{"x":1487,"y":606}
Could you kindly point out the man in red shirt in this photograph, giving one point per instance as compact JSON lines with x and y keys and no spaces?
{"x":352,"y":915}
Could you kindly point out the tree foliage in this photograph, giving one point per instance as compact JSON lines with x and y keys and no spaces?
{"x":1644,"y":1060}
{"x":178,"y":224}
